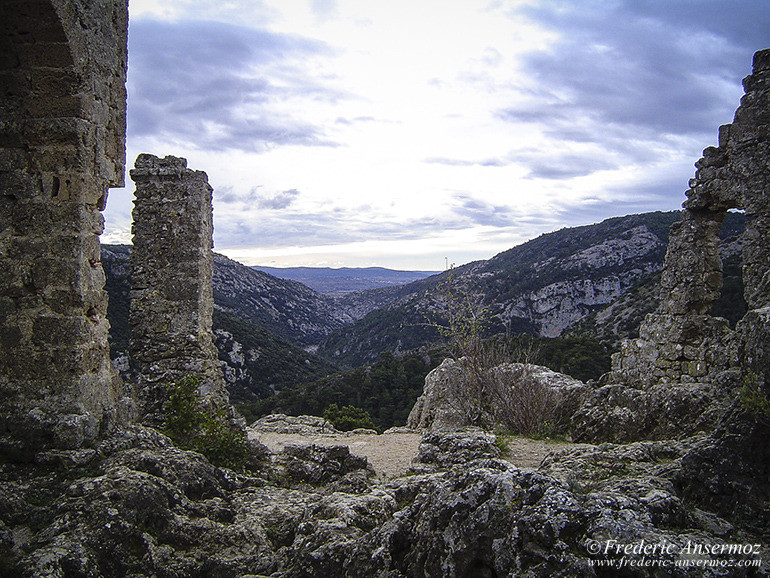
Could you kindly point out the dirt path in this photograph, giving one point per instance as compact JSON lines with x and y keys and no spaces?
{"x":391,"y":454}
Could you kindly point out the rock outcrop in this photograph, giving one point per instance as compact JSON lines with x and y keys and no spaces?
{"x":442,"y":450}
{"x":306,"y":425}
{"x":454,"y":397}
{"x":137,"y":505}
{"x":620,"y":413}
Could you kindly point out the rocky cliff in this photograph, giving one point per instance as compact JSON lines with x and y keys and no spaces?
{"x":259,"y":351}
{"x":545,"y":286}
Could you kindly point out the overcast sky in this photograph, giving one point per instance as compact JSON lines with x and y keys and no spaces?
{"x":407,"y":132}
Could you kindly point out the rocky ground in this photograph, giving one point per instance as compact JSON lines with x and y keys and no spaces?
{"x":391,"y":454}
{"x":135,"y":505}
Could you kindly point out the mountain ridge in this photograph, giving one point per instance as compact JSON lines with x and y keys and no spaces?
{"x":344,"y":280}
{"x":589,"y":280}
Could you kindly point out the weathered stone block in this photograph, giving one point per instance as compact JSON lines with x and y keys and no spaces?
{"x":53,"y":177}
{"x":754,"y":342}
{"x":172,"y":262}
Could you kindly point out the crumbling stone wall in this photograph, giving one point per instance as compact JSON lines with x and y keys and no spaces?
{"x":171,"y":282}
{"x":681,"y":342}
{"x":62,"y":144}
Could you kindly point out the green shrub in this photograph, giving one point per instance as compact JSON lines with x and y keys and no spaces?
{"x":503,"y":443}
{"x":192,"y":428}
{"x":348,"y":417}
{"x":752,"y":397}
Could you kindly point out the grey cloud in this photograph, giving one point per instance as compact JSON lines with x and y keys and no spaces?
{"x":549,"y":166}
{"x":255,"y":198}
{"x":335,"y":225}
{"x":278,"y":201}
{"x":211,"y":85}
{"x":226,"y":195}
{"x":475,"y":211}
{"x":649,"y":65}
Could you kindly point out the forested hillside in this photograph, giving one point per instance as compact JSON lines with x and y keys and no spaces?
{"x":544,"y":287}
{"x":591,"y":285}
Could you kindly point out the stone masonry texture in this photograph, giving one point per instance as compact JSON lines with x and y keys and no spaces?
{"x":62,"y":145}
{"x":681,"y":342}
{"x":171,"y":295}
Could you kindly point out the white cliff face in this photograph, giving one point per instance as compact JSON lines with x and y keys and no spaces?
{"x":596,"y":276}
{"x":638,"y":242}
{"x":557,"y":306}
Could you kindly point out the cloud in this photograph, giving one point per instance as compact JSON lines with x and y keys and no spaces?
{"x":220,"y":87}
{"x":351,"y":121}
{"x":639,"y":68}
{"x":278,"y":201}
{"x":475,"y":211}
{"x":565,"y":166}
{"x":490,"y":162}
{"x":295,"y":225}
{"x":228,"y":197}
{"x":323,"y":9}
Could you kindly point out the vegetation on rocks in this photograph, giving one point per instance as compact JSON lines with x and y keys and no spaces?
{"x":348,"y":417}
{"x":193,"y":428}
{"x":753,"y":398}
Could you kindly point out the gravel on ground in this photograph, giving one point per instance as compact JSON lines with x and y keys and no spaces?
{"x":391,"y":454}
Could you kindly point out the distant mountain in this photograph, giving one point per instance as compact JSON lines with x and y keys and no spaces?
{"x":543,"y":287}
{"x":263,"y":326}
{"x":597,"y":280}
{"x":345,"y":280}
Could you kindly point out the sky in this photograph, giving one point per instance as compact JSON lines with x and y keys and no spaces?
{"x":414,"y":133}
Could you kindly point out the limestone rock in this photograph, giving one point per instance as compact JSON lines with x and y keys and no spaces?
{"x":319,"y":465}
{"x":138,"y":506}
{"x":729,"y":471}
{"x":442,"y":450}
{"x":621,"y":413}
{"x":438,"y":406}
{"x":306,"y":425}
{"x":451,"y":398}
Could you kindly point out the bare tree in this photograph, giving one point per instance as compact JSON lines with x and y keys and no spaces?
{"x":522,"y":404}
{"x":492,"y":390}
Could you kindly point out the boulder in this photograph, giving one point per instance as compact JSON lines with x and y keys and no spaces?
{"x":517,"y":395}
{"x":622,"y":413}
{"x":318,"y":465}
{"x":306,"y":425}
{"x":442,"y":450}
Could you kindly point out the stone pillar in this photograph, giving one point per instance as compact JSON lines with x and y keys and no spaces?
{"x":750,"y":140}
{"x":171,"y":283}
{"x":62,"y":137}
{"x":681,"y":341}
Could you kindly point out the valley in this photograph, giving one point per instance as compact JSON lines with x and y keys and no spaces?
{"x":576,"y":292}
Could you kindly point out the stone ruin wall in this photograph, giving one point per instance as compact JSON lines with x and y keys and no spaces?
{"x":681,"y":341}
{"x":171,"y":283}
{"x":62,"y":144}
{"x":62,"y":135}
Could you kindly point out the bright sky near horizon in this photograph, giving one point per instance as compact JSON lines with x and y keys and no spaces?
{"x":403,"y":133}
